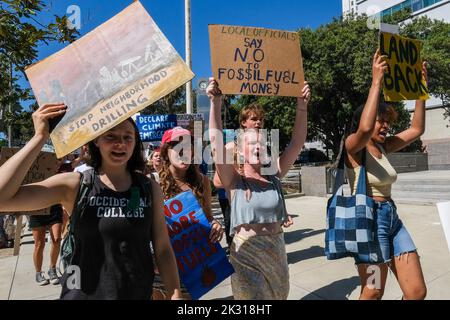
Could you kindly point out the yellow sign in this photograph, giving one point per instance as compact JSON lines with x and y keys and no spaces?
{"x":256,"y":61}
{"x":403,"y":80}
{"x":116,"y":70}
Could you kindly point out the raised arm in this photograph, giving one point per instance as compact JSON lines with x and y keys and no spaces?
{"x":408,"y":136}
{"x":165,"y":258}
{"x":59,"y":189}
{"x":358,"y":140}
{"x":229,"y":149}
{"x":227,"y":172}
{"x":298,"y":138}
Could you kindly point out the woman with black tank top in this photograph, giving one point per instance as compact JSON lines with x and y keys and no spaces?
{"x":112,"y":257}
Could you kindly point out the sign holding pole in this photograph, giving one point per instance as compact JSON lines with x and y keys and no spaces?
{"x":114,"y":71}
{"x":256,"y":61}
{"x":403,"y":79}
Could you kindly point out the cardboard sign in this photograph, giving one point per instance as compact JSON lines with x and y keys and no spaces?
{"x":44,"y":167}
{"x":255,"y":61}
{"x":152,"y":127}
{"x":202,"y":265}
{"x":187,"y":120}
{"x":116,"y":70}
{"x":444,"y":214}
{"x":403,"y":80}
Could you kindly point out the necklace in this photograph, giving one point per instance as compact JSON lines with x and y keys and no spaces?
{"x":183,"y":183}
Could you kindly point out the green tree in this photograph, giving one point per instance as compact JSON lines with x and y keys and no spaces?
{"x":436,"y":51}
{"x":337,"y":59}
{"x":20,"y":35}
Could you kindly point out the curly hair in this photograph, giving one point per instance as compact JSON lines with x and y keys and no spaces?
{"x":384,"y":110}
{"x":194,"y":179}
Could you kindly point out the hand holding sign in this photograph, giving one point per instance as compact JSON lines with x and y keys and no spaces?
{"x":379,"y":67}
{"x":306,"y":96}
{"x":216,"y":233}
{"x":42,"y":117}
{"x":425,"y":72}
{"x":213,"y":91}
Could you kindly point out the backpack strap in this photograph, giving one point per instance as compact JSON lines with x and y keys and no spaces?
{"x":86,"y":183}
{"x":146,"y":184}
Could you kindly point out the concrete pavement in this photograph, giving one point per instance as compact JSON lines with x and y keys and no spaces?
{"x":312,"y":276}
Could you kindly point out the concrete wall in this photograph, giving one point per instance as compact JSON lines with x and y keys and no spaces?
{"x":438,"y":154}
{"x":409,"y":162}
{"x":314,"y":181}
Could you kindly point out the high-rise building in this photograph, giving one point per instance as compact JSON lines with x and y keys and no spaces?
{"x":437,"y":133}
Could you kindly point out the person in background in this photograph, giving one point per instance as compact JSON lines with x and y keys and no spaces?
{"x":154,"y":164}
{"x":81,"y":163}
{"x":39,"y":225}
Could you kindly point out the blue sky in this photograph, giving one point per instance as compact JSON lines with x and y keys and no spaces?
{"x":169,"y":15}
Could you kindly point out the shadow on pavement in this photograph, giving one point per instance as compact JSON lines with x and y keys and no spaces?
{"x":338,"y":290}
{"x":297,"y":235}
{"x":310,"y":253}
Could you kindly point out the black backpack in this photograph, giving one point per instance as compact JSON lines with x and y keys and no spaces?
{"x":86,"y":183}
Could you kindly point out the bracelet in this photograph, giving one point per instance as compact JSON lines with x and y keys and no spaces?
{"x":213,"y":221}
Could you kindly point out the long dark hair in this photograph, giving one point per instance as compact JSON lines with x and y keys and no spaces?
{"x":136,"y":162}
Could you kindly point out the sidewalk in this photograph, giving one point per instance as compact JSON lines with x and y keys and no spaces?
{"x":312,"y":276}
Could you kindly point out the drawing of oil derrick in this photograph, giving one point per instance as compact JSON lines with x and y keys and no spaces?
{"x":109,"y":81}
{"x":129,"y":67}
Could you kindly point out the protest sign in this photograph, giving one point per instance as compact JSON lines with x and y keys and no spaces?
{"x":187,"y":120}
{"x":42,"y":168}
{"x":114,"y":71}
{"x":444,"y":214}
{"x":202,"y":265}
{"x":256,"y":61}
{"x":191,"y":122}
{"x":403,"y":79}
{"x":152,"y":127}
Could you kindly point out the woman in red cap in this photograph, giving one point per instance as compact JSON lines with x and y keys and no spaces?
{"x":179,"y":174}
{"x":121,"y":216}
{"x":258,"y":211}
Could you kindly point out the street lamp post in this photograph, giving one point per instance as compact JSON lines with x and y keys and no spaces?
{"x":9,"y":106}
{"x":187,"y":7}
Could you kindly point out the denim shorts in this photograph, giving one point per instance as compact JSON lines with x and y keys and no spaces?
{"x":391,"y":237}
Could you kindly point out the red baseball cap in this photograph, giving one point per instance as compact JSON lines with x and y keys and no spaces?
{"x":174,"y":134}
